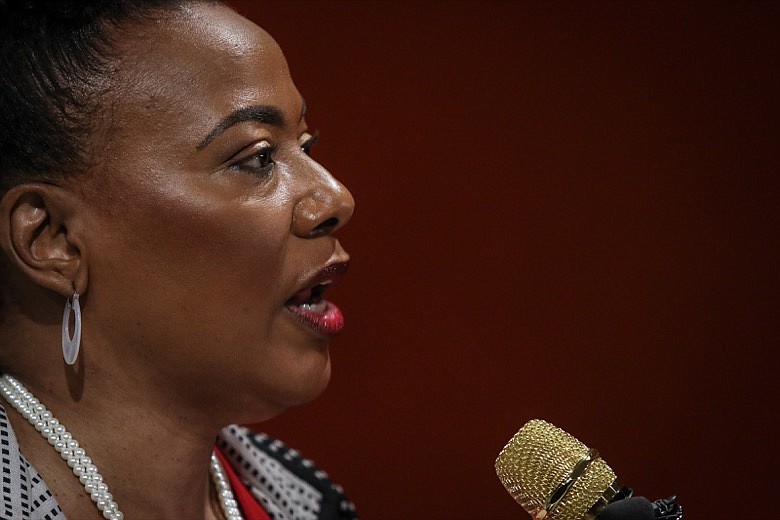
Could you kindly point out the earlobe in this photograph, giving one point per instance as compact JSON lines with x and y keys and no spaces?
{"x":35,"y":237}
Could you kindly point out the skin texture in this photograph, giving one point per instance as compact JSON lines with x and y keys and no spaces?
{"x":184,"y":256}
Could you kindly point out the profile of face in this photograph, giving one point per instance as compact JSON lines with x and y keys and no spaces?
{"x":207,"y":223}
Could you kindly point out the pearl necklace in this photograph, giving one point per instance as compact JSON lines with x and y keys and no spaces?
{"x":224,"y":492}
{"x":71,"y":452}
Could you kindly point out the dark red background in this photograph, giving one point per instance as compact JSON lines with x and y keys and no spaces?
{"x":564,"y":210}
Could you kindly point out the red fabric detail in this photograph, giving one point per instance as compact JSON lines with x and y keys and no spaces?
{"x":250,"y":507}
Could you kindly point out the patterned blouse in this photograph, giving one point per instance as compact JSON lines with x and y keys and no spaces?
{"x":288,"y":486}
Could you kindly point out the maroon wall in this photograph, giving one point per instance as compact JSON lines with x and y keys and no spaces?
{"x":564,"y":210}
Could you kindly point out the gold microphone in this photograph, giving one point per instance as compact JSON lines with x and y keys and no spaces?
{"x":553,"y":475}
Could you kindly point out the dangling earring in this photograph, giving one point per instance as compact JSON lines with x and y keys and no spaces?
{"x":70,"y":346}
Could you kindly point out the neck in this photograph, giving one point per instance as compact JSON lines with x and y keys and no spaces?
{"x":143,"y":472}
{"x":150,"y":435}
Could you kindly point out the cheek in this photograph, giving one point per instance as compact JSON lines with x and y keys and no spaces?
{"x":194,"y":260}
{"x":215,"y":244}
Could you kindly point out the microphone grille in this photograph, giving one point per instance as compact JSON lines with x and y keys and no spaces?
{"x":539,"y":459}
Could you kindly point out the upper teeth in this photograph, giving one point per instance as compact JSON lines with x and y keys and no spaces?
{"x":315,"y":307}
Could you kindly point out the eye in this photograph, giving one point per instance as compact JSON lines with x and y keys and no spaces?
{"x":257,"y":159}
{"x":307,"y":141}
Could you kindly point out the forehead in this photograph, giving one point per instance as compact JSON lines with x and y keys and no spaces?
{"x":192,"y":67}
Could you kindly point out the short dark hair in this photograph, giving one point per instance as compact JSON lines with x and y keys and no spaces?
{"x":56,"y":64}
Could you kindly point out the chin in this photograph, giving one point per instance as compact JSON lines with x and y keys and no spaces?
{"x":303,"y":386}
{"x":314,"y":385}
{"x":272,"y":399}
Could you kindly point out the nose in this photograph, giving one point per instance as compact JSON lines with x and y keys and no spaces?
{"x":325,"y":206}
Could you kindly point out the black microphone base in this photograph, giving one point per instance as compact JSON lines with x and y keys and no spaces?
{"x":625,"y":506}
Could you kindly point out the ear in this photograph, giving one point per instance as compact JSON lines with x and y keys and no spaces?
{"x":34,"y":220}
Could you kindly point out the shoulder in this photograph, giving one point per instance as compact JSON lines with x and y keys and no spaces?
{"x":287,"y":485}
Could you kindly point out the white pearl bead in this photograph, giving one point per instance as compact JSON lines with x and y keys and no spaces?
{"x":63,"y":442}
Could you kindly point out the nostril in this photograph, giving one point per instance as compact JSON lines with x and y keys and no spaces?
{"x":326,"y":227}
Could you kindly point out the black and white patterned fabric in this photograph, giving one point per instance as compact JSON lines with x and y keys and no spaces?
{"x":25,"y":494}
{"x":288,"y":486}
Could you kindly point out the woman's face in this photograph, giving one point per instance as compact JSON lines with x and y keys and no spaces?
{"x":207,"y":221}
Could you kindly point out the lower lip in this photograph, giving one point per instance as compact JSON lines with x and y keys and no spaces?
{"x":328,"y":323}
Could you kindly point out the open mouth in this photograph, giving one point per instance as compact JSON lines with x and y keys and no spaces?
{"x":311,"y":308}
{"x":311,"y":299}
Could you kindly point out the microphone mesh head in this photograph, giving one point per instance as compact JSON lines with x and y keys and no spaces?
{"x":538,"y":459}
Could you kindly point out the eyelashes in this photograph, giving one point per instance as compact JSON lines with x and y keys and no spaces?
{"x":307,"y":141}
{"x":259,"y":158}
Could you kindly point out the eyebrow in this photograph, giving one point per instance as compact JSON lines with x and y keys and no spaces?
{"x":265,"y":114}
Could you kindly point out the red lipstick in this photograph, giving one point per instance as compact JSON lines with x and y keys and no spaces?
{"x":310,"y":307}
